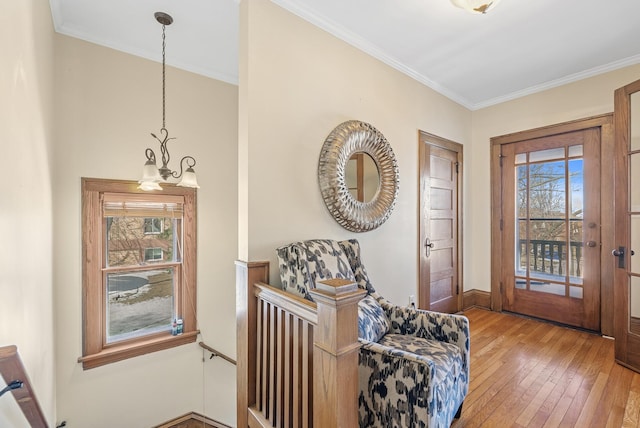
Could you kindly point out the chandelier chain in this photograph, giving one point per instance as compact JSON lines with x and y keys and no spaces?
{"x":163,"y":75}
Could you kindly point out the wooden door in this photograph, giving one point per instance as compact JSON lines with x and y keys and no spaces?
{"x":551,"y":228}
{"x":440,"y":262}
{"x":627,"y":229}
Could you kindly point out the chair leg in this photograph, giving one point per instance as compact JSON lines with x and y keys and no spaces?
{"x":459,"y":412}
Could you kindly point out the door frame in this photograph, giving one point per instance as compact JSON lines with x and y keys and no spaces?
{"x":605,"y":124}
{"x":434,"y":140}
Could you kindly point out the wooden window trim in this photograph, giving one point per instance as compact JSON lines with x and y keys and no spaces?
{"x":95,"y":351}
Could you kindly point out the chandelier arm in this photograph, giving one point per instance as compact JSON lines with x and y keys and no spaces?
{"x":191,"y":162}
{"x":151,"y":156}
{"x":166,"y":157}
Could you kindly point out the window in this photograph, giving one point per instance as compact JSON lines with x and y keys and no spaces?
{"x":139,"y":269}
{"x":152,"y":254}
{"x":153,"y":226}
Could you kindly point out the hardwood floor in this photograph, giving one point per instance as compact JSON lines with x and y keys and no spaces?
{"x":528,"y":373}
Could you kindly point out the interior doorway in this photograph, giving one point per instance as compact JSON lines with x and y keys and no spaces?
{"x":440,"y":278}
{"x":548,"y":225}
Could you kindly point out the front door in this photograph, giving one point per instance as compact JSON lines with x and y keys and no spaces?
{"x":627,"y":232}
{"x":551,"y":228}
{"x":440,"y":266}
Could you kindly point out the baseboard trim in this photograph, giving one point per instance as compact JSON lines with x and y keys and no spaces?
{"x":183,"y":421}
{"x":476,"y":299}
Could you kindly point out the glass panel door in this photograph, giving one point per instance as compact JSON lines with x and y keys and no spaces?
{"x":551,"y":228}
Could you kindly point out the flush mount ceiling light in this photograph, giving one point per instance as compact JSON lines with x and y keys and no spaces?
{"x":151,"y":174}
{"x":476,"y":6}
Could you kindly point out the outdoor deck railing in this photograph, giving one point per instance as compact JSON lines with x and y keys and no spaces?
{"x":551,"y":256}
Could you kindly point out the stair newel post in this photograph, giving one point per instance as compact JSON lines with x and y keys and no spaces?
{"x":335,"y":354}
{"x":247,"y":274}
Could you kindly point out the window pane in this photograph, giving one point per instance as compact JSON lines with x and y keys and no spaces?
{"x":133,"y":241}
{"x":521,"y":158}
{"x":139,"y":302}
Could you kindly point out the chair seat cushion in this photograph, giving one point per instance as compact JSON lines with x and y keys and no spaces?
{"x":446,"y":357}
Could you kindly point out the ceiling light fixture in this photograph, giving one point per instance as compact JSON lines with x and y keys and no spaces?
{"x":476,"y":6}
{"x":151,"y":174}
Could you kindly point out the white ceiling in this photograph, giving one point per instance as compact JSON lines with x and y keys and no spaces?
{"x":520,"y":47}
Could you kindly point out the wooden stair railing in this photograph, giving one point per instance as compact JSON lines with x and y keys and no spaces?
{"x":216,"y":353}
{"x":297,"y":360}
{"x":12,"y":369}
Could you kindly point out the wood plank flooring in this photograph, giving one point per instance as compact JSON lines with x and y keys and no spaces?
{"x":528,"y":373}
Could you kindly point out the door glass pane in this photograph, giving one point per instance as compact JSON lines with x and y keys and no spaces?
{"x":634,"y":177}
{"x":634,"y":233}
{"x":139,"y":302}
{"x":576,"y":237}
{"x":523,"y":252}
{"x":547,"y":287}
{"x":575,"y":151}
{"x":576,"y":292}
{"x":549,"y":248}
{"x":521,"y":158}
{"x":545,"y":155}
{"x":522,"y":197}
{"x":635,"y":121}
{"x":547,"y":190}
{"x":634,"y":302}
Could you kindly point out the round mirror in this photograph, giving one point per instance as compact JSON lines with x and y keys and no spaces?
{"x":356,"y":205}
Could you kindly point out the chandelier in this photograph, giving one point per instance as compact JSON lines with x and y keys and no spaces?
{"x":151,"y":174}
{"x":476,"y":6}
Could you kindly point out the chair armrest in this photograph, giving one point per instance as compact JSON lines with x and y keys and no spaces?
{"x":398,"y":354}
{"x":448,"y":328}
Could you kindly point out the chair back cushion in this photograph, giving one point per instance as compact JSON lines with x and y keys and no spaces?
{"x":304,"y":263}
{"x":373,"y":323}
{"x":351,"y":248}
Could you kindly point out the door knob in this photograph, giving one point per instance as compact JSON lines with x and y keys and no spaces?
{"x":429,"y":246}
{"x":619,"y":253}
{"x":590,"y":243}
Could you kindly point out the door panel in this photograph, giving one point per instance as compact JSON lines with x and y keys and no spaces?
{"x":439,"y":288}
{"x":551,"y":235}
{"x":627,"y":227}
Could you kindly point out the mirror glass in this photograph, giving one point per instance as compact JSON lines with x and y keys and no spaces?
{"x":362,"y":176}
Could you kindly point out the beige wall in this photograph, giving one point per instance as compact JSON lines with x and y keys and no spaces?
{"x":107,"y":103}
{"x":26,"y":117}
{"x":577,"y":100}
{"x":298,"y":83}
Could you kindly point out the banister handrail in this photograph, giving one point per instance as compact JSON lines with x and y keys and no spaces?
{"x":13,"y":372}
{"x":303,"y":308}
{"x":216,"y":353}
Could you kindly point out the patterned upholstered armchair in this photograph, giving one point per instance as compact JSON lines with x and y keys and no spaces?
{"x":413,"y":364}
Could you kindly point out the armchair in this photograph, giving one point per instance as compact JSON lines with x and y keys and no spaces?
{"x":413,"y":364}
